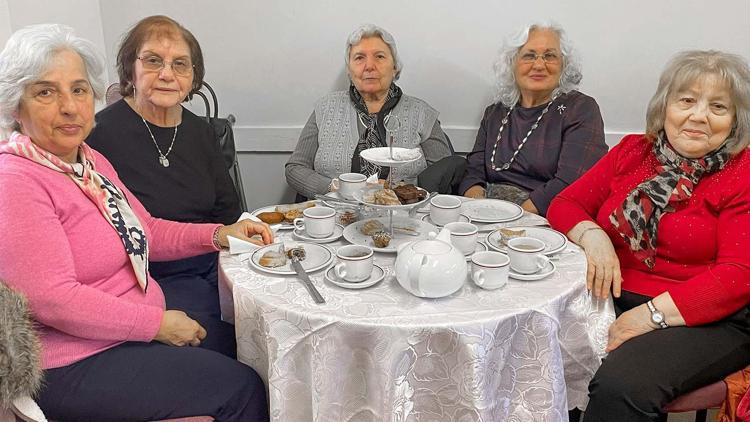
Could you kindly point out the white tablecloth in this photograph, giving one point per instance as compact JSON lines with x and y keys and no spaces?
{"x":525,"y":352}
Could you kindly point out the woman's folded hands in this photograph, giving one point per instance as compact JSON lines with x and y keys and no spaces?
{"x":177,"y":329}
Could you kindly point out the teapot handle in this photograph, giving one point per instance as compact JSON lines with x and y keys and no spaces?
{"x":414,"y":269}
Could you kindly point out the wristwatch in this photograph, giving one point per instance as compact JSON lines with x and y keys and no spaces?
{"x":657,"y":316}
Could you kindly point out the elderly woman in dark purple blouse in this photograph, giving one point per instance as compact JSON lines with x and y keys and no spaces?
{"x":541,"y":134}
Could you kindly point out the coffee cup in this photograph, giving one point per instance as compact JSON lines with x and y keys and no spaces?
{"x":463,"y":236}
{"x":526,"y":256}
{"x":349,"y":183}
{"x":489,"y":270}
{"x":317,"y":222}
{"x":355,"y":263}
{"x":444,"y":209}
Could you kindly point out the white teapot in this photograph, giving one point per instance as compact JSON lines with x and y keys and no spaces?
{"x":431,"y":267}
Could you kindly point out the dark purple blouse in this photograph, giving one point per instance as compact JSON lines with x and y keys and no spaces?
{"x":567,"y":142}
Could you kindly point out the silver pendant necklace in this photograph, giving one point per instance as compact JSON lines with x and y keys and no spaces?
{"x":163,"y":160}
{"x":504,"y":122}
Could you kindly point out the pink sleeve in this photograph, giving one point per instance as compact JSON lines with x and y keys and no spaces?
{"x":36,"y":259}
{"x":168,"y":240}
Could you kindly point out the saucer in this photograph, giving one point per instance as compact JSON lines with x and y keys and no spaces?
{"x":378,"y":274}
{"x":544,"y":272}
{"x":461,"y":219}
{"x":338,"y":230}
{"x":480,"y":247}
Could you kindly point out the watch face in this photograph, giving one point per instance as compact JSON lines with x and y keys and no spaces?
{"x":657,"y":317}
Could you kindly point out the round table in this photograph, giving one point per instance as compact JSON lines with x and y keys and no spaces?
{"x":525,"y":352}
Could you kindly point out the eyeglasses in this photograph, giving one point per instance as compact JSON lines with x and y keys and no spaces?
{"x":548,"y":57}
{"x":181,"y":67}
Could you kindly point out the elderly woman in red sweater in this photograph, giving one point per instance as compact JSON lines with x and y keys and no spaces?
{"x":664,"y":219}
{"x":77,"y":244}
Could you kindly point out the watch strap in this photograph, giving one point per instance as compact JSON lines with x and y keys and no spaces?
{"x":657,"y":316}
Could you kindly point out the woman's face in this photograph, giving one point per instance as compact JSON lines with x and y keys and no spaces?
{"x":371,"y":67}
{"x":163,"y":86}
{"x":57,"y":111}
{"x":538,"y":64}
{"x":699,"y":118}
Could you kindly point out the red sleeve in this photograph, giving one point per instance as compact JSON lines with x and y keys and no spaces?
{"x":725,"y":287}
{"x":582,"y":199}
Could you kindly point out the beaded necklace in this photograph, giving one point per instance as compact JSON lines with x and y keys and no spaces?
{"x":504,"y":122}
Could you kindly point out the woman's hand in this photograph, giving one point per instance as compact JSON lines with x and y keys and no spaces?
{"x":603,"y":272}
{"x":244,"y":230}
{"x":629,"y":324}
{"x":177,"y":329}
{"x":529,"y":206}
{"x":476,"y":192}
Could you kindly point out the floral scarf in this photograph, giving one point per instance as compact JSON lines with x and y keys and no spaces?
{"x":638,"y":217}
{"x":109,"y":200}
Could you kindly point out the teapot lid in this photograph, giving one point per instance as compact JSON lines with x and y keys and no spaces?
{"x":431,"y":247}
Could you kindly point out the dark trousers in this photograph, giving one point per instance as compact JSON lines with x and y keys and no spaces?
{"x":443,"y":176}
{"x":152,"y":381}
{"x":646,"y":372}
{"x":190,"y":284}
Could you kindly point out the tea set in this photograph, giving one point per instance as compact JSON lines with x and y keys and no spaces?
{"x":444,"y":251}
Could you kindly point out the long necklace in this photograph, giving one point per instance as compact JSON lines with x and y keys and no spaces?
{"x":504,"y":122}
{"x":163,"y":160}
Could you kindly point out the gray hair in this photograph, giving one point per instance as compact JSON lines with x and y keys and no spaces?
{"x":27,"y":55}
{"x":507,"y":88}
{"x":689,"y":67}
{"x":369,"y":30}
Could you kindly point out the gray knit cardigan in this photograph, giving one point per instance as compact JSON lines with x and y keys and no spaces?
{"x":329,"y":138}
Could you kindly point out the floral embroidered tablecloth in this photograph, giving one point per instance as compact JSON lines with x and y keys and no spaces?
{"x":525,"y":352}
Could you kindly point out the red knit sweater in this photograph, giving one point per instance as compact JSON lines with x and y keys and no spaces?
{"x":702,"y":248}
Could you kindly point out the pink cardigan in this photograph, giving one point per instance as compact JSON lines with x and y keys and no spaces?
{"x":57,"y":249}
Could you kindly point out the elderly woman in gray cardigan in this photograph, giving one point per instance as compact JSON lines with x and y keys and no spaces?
{"x":344,"y":123}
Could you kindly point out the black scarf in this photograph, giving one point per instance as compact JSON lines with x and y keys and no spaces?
{"x":374,"y":135}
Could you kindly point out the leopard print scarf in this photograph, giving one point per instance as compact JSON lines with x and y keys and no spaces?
{"x":638,"y":217}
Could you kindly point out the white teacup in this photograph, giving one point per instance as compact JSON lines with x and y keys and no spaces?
{"x":355,"y":263}
{"x":489,"y":269}
{"x":348,"y":183}
{"x":526,"y":256}
{"x":317,"y":222}
{"x":444,"y":209}
{"x":463,"y":236}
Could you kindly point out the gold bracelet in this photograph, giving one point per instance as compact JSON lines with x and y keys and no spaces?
{"x":580,"y":237}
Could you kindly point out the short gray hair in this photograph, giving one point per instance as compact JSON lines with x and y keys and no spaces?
{"x":689,"y":67}
{"x":369,"y":30}
{"x":26,"y":57}
{"x":507,"y":87}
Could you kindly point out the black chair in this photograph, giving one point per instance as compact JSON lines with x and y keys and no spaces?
{"x":225,"y":136}
{"x":222,"y":126}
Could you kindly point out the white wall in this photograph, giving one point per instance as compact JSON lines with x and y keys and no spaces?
{"x":270,"y":60}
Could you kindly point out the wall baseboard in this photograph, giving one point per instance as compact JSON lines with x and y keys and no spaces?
{"x":250,"y":139}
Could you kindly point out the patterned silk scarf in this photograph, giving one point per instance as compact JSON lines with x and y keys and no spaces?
{"x":108,"y":199}
{"x":374,"y":135}
{"x":638,"y":217}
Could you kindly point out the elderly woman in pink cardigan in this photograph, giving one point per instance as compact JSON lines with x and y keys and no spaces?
{"x":77,"y":243}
